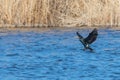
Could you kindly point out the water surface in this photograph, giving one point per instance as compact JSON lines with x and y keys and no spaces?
{"x":57,"y":55}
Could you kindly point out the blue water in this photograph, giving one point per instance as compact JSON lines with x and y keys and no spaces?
{"x":57,"y":55}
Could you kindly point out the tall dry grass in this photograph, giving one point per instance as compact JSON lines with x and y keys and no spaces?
{"x":53,"y":13}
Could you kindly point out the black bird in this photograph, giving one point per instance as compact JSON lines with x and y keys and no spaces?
{"x":89,"y":39}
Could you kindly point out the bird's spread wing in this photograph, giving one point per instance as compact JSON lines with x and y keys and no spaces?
{"x":92,"y":36}
{"x":81,"y":39}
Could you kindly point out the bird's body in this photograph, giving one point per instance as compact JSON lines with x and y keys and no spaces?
{"x":89,"y":39}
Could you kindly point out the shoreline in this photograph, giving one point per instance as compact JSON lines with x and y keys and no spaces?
{"x":52,"y":28}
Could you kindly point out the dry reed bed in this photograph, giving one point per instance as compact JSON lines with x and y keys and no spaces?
{"x":48,"y":13}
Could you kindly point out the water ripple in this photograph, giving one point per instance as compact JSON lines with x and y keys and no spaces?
{"x":58,"y":55}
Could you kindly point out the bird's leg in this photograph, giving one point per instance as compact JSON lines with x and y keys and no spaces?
{"x":90,"y":48}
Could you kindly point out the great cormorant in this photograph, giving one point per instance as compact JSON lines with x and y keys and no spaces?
{"x":89,"y":39}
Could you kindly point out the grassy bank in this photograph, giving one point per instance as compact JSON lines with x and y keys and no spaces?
{"x":55,"y":13}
